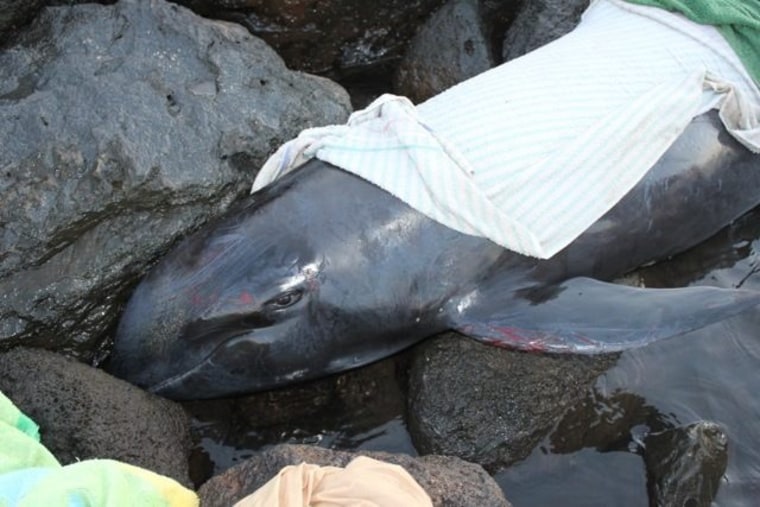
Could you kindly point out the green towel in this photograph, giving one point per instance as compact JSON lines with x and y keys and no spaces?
{"x":737,"y":20}
{"x":11,"y":415}
{"x":19,"y":438}
{"x":95,"y":483}
{"x":31,"y":476}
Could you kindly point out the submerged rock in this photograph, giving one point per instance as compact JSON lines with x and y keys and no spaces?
{"x":449,"y":481}
{"x":606,"y":422}
{"x":685,"y":465}
{"x":84,"y":413}
{"x":14,"y":14}
{"x":125,"y":127}
{"x":340,"y":411}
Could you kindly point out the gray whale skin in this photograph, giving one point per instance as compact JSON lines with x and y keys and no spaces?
{"x":322,"y":271}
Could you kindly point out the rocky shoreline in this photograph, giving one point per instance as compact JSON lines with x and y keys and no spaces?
{"x":129,"y":124}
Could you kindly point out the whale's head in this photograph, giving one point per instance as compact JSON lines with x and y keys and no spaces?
{"x":281,"y":291}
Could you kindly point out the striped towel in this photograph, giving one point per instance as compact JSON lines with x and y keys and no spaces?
{"x":531,"y":153}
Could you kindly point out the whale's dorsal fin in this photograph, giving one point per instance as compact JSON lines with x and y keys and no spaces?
{"x":586,"y":316}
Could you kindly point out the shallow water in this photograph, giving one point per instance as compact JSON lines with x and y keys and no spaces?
{"x":710,"y":374}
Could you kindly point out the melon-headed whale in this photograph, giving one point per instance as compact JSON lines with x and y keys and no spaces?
{"x":322,"y":271}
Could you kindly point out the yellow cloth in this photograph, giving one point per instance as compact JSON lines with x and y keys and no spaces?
{"x":365,"y":482}
{"x":19,"y":440}
{"x":19,"y":450}
{"x":30,"y":476}
{"x":105,"y":483}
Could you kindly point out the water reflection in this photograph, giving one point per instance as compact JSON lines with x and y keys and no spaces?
{"x":592,"y":458}
{"x":361,"y":409}
{"x":710,"y":374}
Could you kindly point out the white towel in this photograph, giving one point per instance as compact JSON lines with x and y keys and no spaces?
{"x":531,"y":153}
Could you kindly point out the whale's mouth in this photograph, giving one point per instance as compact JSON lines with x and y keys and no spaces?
{"x":175,"y":380}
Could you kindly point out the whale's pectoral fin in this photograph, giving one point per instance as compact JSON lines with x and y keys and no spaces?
{"x":587,"y":316}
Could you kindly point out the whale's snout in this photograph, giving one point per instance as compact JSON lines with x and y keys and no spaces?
{"x":146,"y":333}
{"x":223,"y":313}
{"x":289,"y":287}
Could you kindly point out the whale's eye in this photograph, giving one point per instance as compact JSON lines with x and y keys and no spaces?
{"x":286,"y":299}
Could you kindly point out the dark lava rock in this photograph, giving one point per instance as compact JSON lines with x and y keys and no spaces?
{"x":607,"y":423}
{"x":84,"y":413}
{"x":685,"y":465}
{"x":488,"y":405}
{"x":14,"y":14}
{"x":539,"y":22}
{"x":449,"y":481}
{"x":327,"y":36}
{"x":125,"y":127}
{"x":451,"y":46}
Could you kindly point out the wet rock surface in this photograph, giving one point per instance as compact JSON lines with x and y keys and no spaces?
{"x":685,"y":466}
{"x":449,"y":481}
{"x":539,"y":22}
{"x":84,"y":413}
{"x":132,"y":124}
{"x":453,"y":45}
{"x":488,"y":405}
{"x":15,"y":14}
{"x":327,"y":36}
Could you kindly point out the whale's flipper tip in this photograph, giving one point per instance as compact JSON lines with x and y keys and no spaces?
{"x":586,"y":316}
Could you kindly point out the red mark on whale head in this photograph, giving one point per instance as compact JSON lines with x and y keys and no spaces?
{"x":246,"y":298}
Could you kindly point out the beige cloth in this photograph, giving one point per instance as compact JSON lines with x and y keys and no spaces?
{"x":365,"y":482}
